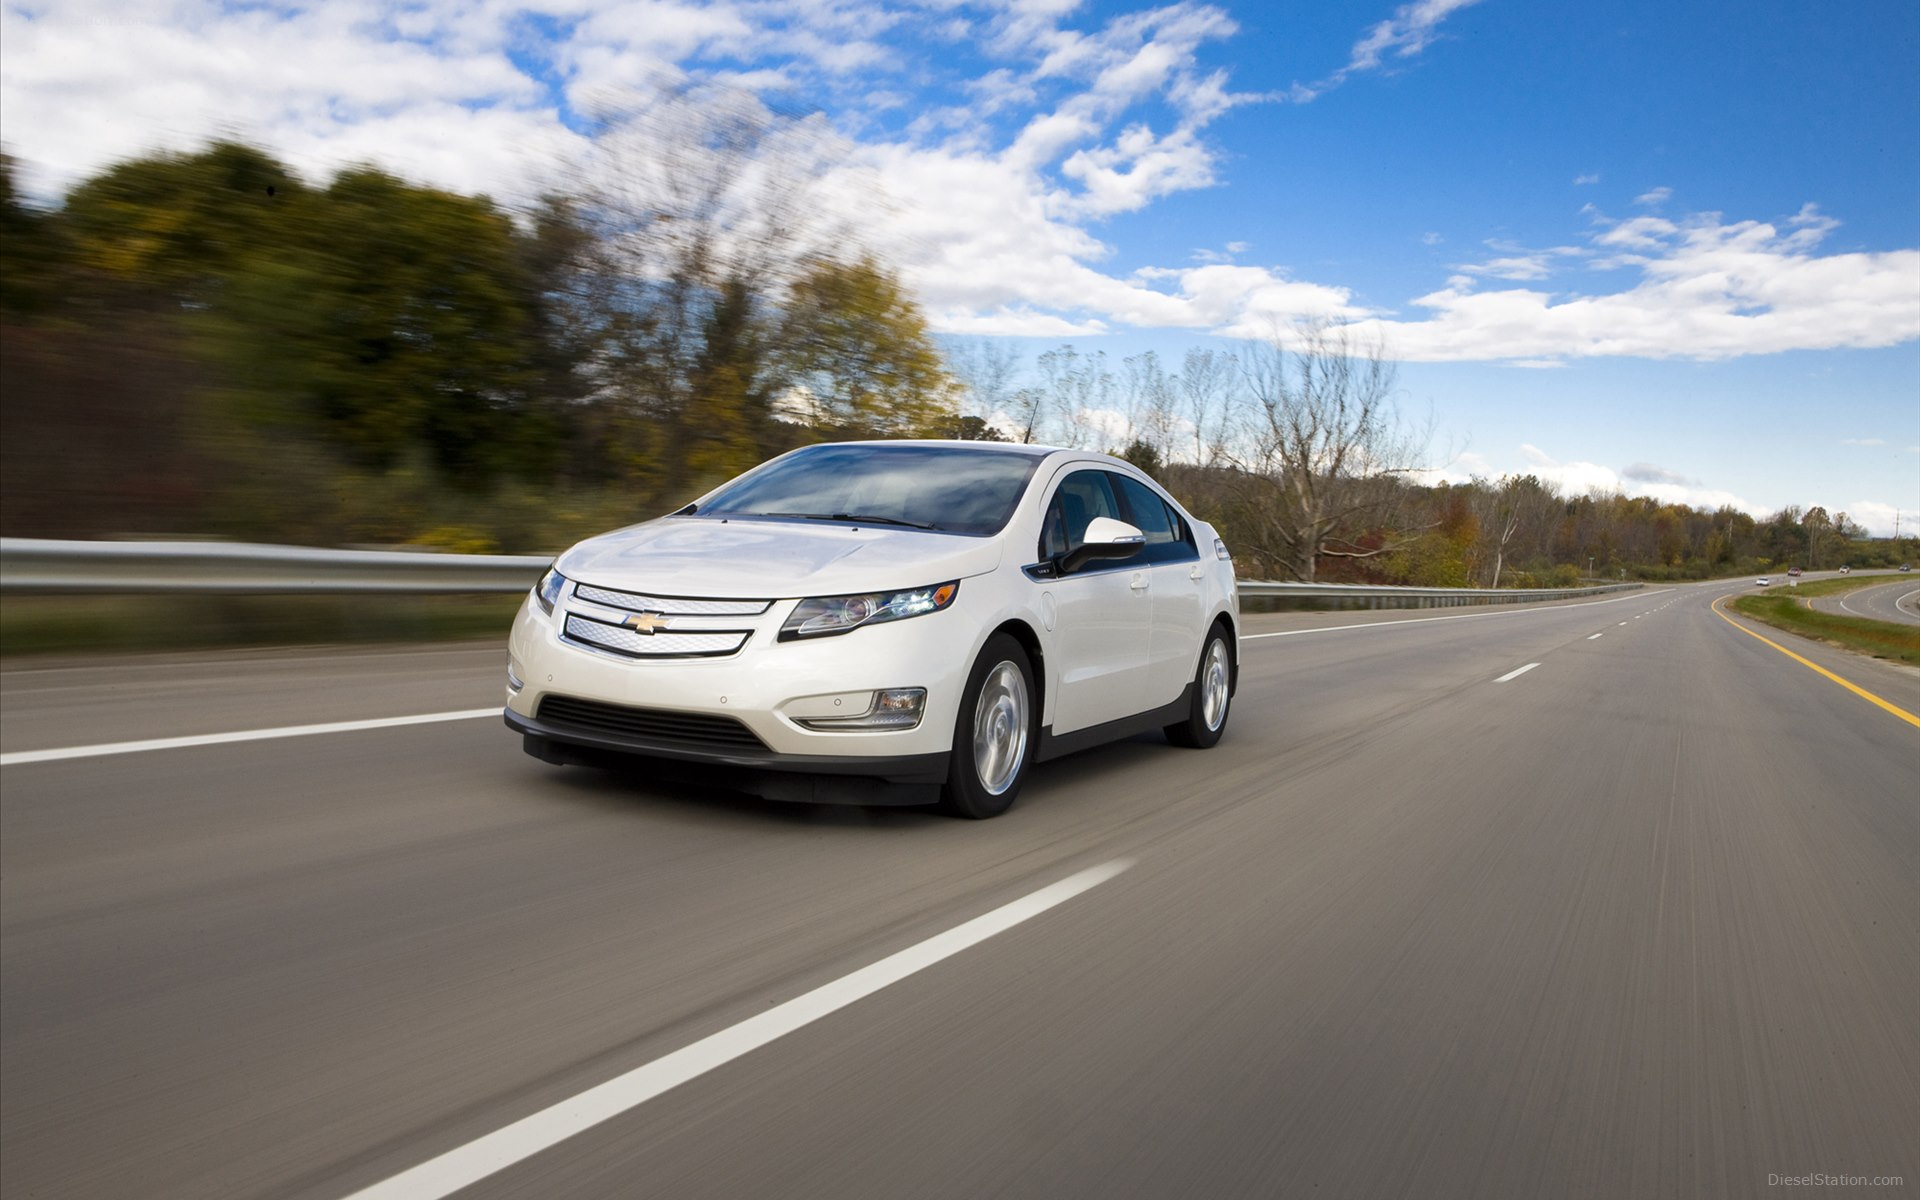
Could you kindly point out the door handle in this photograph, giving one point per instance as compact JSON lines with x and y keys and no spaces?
{"x":1138,"y":583}
{"x":1197,"y":574}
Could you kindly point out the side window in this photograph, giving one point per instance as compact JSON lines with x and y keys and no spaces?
{"x":1081,"y":497}
{"x":1167,"y":536}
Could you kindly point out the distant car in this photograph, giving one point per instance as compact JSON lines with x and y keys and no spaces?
{"x":923,"y":613}
{"x":1906,"y":566}
{"x":1763,"y":581}
{"x":1795,"y":571}
{"x":1846,"y":570}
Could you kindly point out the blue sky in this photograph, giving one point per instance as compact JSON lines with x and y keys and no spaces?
{"x":1671,"y":248}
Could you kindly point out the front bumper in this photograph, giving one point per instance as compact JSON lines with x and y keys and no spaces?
{"x":555,"y":737}
{"x":763,"y":692}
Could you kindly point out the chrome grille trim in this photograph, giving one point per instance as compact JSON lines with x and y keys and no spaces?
{"x":665,"y":644}
{"x":671,"y":606}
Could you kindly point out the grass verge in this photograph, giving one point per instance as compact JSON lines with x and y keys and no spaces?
{"x":1789,"y":611}
{"x":82,"y":624}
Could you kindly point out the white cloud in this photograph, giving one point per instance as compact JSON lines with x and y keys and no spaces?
{"x":1653,"y":473}
{"x":1584,"y":180}
{"x":1708,"y":289}
{"x":1639,"y":233}
{"x":1863,"y":441}
{"x":1523,"y":265}
{"x":990,"y":208}
{"x":1578,"y":478}
{"x":1655,"y":197}
{"x":1879,"y":519}
{"x":1410,"y":30}
{"x":426,"y":93}
{"x":1138,"y":168}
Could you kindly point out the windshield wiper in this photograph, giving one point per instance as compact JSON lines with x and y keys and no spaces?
{"x":858,"y":518}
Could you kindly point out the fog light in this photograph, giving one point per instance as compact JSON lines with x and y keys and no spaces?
{"x":894,"y":708}
{"x":513,"y":677}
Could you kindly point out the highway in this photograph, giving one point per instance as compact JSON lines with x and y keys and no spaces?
{"x":1898,"y":601}
{"x":1606,"y":898}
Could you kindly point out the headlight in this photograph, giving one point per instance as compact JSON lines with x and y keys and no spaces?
{"x":547,"y":591}
{"x":823,"y":616}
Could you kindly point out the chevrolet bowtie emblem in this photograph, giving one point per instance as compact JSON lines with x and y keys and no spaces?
{"x":647,"y":623}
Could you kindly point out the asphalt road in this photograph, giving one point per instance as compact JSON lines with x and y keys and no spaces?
{"x":1898,"y":601}
{"x":1641,"y":920}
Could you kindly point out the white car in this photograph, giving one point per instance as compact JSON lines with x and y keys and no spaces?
{"x":885,"y":622}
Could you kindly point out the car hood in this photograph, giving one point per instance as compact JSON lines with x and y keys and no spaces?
{"x":772,"y":560}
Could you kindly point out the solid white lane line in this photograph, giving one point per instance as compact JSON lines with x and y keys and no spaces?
{"x":1248,"y":637}
{"x":438,"y":1177}
{"x":21,"y":757}
{"x":1516,"y":674}
{"x":1597,"y":635}
{"x":1623,"y":623}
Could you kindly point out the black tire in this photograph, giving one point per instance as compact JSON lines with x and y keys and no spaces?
{"x":1212,"y":686}
{"x":1001,"y":705}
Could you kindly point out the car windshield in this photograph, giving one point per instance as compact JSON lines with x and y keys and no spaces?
{"x":939,"y":488}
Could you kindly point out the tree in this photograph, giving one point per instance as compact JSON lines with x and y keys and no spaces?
{"x":1074,"y":387}
{"x":860,"y":348}
{"x":1324,"y":455}
{"x":699,"y":204}
{"x":35,"y":254}
{"x":985,"y":370}
{"x":1142,"y":454}
{"x":394,"y":322}
{"x":1206,"y":382}
{"x":1516,"y":503}
{"x":568,"y":331}
{"x":1820,"y":534}
{"x":177,"y":226}
{"x":1150,"y":396}
{"x":973,"y":429}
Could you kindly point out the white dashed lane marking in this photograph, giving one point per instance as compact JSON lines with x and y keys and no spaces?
{"x":496,"y":1151}
{"x":22,"y":757}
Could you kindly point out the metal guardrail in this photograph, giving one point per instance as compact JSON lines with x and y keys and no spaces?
{"x":40,"y":565}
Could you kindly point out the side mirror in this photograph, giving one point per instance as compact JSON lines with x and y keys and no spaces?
{"x":1106,"y":538}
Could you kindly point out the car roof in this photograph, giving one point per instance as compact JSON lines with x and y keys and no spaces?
{"x":955,"y":444}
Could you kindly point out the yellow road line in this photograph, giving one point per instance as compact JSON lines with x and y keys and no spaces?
{"x":1857,"y":690}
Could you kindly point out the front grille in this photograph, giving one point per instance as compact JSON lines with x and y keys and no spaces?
{"x":615,"y":720}
{"x":672,"y":606}
{"x":668,"y":643}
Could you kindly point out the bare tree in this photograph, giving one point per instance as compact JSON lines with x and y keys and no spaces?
{"x":987,"y":369}
{"x":1206,"y":382}
{"x":1323,"y":453}
{"x":1151,"y":396}
{"x":702,"y":206}
{"x":1515,"y":504}
{"x":1074,"y":386}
